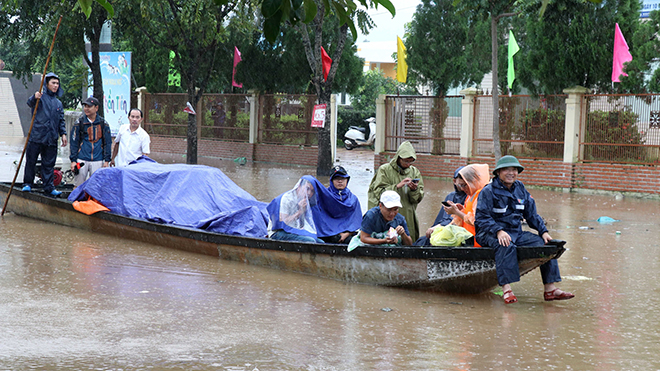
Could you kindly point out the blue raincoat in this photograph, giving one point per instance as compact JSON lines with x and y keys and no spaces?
{"x":321,"y":213}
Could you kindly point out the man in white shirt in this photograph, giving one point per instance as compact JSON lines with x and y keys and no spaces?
{"x":131,"y":141}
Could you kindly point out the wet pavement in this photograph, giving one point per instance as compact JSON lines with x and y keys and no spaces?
{"x":71,"y":299}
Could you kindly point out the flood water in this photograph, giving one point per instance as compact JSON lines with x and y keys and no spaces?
{"x":71,"y":299}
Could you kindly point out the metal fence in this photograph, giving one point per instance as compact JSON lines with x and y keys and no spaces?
{"x":164,"y":116}
{"x":431,"y":124}
{"x":226,"y":117}
{"x":284,"y":119}
{"x":529,"y":127}
{"x":621,"y":129}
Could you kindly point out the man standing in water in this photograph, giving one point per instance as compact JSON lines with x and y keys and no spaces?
{"x":90,"y":142}
{"x":48,"y":126}
{"x":131,"y":141}
{"x":401,"y":177}
{"x":502,"y":206}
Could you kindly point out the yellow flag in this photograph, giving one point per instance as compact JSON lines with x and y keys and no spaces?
{"x":401,"y":65}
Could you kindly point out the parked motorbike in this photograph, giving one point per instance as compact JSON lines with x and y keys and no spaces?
{"x":356,"y":135}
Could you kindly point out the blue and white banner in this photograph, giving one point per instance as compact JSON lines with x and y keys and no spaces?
{"x":647,"y":7}
{"x":116,"y":74}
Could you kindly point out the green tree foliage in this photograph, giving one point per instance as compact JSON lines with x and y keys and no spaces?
{"x":446,"y":48}
{"x":29,"y":25}
{"x":494,"y":11}
{"x":196,"y":31}
{"x":572,"y":44}
{"x":293,"y":12}
{"x":283,"y":67}
{"x":645,"y":53}
{"x":375,"y":84}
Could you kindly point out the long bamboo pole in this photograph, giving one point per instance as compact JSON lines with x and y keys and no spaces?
{"x":27,"y":139}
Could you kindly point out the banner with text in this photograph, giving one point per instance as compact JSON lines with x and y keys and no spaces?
{"x":116,"y":74}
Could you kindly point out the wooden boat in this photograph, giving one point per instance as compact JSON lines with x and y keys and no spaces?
{"x":446,"y":269}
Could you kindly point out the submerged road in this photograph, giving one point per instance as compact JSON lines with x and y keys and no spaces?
{"x":74,"y":300}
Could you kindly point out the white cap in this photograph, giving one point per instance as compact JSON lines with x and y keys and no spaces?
{"x":390,"y":199}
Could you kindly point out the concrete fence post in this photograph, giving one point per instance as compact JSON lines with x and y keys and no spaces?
{"x":142,"y":99}
{"x":467,"y":120}
{"x":379,"y":145}
{"x":254,"y":111}
{"x":574,"y":116}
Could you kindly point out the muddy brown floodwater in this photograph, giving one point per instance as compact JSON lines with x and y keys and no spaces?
{"x":74,"y":300}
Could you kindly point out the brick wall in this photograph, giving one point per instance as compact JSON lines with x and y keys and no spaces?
{"x":617,"y":177}
{"x":299,"y":155}
{"x":283,"y":154}
{"x":551,"y":173}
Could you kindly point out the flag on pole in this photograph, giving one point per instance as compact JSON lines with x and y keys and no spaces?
{"x":513,"y":49}
{"x":327,"y":63}
{"x":401,"y":65}
{"x":189,"y":109}
{"x":237,"y":58}
{"x":621,"y":55}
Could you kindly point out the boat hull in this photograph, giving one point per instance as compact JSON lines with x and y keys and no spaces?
{"x":446,"y":269}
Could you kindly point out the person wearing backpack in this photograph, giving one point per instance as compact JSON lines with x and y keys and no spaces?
{"x":90,"y":142}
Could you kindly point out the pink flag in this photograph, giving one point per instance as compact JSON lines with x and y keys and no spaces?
{"x":621,"y":55}
{"x":237,"y":58}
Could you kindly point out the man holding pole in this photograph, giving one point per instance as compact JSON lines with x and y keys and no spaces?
{"x":48,"y":127}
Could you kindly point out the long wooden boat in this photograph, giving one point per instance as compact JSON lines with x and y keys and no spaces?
{"x":446,"y":269}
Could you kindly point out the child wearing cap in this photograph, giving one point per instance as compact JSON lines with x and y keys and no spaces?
{"x":378,"y":221}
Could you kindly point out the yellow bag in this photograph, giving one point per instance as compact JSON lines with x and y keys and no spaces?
{"x":449,"y":235}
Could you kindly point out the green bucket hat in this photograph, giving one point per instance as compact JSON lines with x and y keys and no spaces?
{"x":507,"y":161}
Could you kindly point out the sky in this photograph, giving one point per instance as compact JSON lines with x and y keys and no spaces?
{"x":380,"y":43}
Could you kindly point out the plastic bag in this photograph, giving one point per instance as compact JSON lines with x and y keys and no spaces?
{"x":449,"y":235}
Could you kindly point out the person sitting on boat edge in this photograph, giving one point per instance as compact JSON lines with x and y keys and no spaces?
{"x":502,"y":205}
{"x":378,"y":221}
{"x":291,"y":217}
{"x":474,"y":178}
{"x":400,"y":176}
{"x":457,"y":197}
{"x":347,"y":206}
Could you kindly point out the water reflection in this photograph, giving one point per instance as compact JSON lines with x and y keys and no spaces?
{"x":77,"y":300}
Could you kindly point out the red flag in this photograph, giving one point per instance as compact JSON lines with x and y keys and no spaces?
{"x":189,"y":109}
{"x":237,"y":58}
{"x":327,"y":62}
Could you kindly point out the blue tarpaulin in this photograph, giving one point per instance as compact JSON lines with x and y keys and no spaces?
{"x":194,"y":196}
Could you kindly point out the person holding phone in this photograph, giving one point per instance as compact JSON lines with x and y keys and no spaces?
{"x":442,"y":219}
{"x":472,"y":179}
{"x":399,"y":175}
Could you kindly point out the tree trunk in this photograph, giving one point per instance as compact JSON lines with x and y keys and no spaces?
{"x":94,"y":36}
{"x":325,"y":160}
{"x":191,"y":153}
{"x":495,"y":91}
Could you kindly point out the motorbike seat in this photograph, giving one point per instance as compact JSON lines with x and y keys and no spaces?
{"x":357,"y":128}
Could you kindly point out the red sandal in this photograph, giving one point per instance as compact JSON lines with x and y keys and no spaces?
{"x":553,"y":295}
{"x":509,"y":298}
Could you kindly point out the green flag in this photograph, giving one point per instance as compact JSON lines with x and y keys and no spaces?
{"x":513,"y":49}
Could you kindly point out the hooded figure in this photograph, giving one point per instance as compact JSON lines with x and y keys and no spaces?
{"x":47,"y":128}
{"x":457,"y":197}
{"x":310,"y":211}
{"x":343,"y":209}
{"x":475,"y":176}
{"x":400,"y":176}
